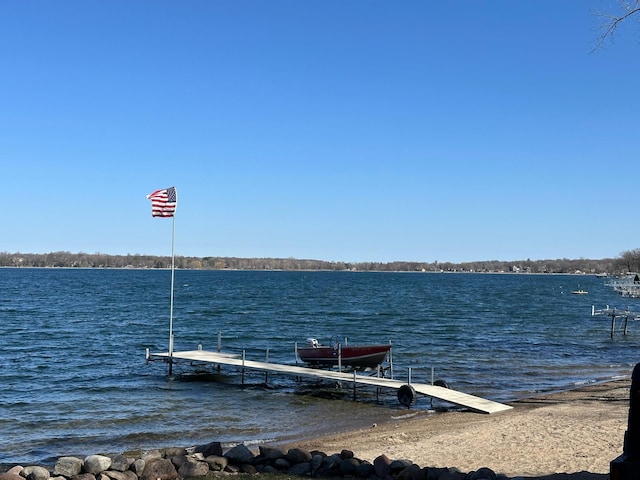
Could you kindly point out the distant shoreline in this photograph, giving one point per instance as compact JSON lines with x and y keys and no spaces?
{"x":582,"y":274}
{"x":606,"y":266}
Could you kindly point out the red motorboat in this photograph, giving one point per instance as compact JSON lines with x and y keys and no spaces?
{"x":363,"y":356}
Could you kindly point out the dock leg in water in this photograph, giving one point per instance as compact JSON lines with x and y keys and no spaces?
{"x":243,"y":359}
{"x":354,"y":385}
{"x":626,"y":321}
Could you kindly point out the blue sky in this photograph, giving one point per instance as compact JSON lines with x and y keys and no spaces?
{"x":359,"y":130}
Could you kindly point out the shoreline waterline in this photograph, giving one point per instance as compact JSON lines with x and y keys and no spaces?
{"x":431,"y":439}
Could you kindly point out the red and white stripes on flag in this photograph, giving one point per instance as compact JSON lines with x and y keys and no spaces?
{"x":163,"y":202}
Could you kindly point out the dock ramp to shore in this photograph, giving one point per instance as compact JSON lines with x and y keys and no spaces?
{"x":446,"y":394}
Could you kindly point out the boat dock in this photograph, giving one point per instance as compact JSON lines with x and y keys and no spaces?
{"x":407,"y":390}
{"x":616,"y":313}
{"x":627,"y":285}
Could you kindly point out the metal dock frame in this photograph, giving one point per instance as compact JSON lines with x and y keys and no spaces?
{"x":452,"y":396}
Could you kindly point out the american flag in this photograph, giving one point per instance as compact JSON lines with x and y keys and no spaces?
{"x":163,"y":202}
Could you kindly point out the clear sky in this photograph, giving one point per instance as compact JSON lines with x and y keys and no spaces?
{"x":355,"y":130}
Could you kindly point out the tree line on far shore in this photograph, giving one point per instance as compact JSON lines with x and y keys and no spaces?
{"x":628,"y":261}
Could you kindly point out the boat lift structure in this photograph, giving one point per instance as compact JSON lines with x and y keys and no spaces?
{"x":406,"y":390}
{"x":627,"y":286}
{"x":616,"y":313}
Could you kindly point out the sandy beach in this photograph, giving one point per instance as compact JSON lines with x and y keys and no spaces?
{"x":570,"y":435}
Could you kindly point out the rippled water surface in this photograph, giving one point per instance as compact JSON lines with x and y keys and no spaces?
{"x":74,"y":378}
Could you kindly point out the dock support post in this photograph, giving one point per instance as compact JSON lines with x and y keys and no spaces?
{"x":266,"y":373}
{"x":409,"y":376}
{"x":354,"y":385}
{"x":626,"y":320}
{"x":627,"y":465}
{"x":243,"y":357}
{"x":219,"y":347}
{"x":433,"y":374}
{"x":613,"y":323}
{"x":295,"y":347}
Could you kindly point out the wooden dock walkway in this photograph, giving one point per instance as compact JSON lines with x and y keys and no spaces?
{"x":452,"y":396}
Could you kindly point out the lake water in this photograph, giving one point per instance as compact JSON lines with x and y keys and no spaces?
{"x":75,"y":381}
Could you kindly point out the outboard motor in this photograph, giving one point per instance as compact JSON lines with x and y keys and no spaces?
{"x":312,"y":343}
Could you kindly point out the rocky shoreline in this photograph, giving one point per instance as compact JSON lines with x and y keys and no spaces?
{"x":210,"y":460}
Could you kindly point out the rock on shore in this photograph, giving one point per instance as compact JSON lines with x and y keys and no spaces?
{"x":181,"y":463}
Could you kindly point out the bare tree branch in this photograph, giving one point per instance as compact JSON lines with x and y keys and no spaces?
{"x":612,"y":22}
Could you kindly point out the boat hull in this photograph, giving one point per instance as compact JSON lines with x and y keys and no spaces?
{"x":354,"y":356}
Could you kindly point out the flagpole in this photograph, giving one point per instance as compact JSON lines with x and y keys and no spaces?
{"x":163,"y":204}
{"x":173,"y":236}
